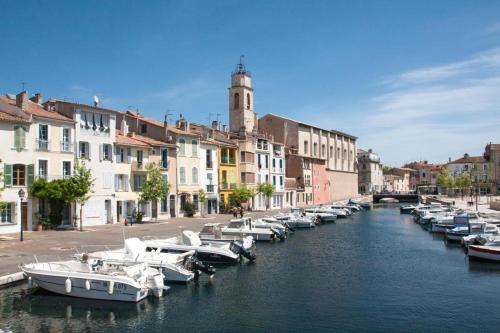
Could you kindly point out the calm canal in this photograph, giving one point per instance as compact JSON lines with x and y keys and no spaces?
{"x":376,"y":271}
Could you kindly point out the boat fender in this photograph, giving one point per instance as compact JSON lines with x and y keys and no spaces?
{"x":30,"y":282}
{"x":87,"y":285}
{"x":111,"y":287}
{"x":67,"y":285}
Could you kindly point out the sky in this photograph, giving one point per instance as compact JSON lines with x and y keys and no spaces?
{"x":413,"y":80}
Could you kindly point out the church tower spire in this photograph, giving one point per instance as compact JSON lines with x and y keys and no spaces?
{"x":241,"y":115}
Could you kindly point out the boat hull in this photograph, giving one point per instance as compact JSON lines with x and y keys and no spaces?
{"x":484,"y":253}
{"x":256,"y":235}
{"x":99,"y":288}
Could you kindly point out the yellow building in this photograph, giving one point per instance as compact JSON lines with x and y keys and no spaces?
{"x":228,"y":170}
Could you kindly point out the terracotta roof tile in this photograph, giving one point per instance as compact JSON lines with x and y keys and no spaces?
{"x":469,"y":159}
{"x":126,"y":140}
{"x":37,"y":110}
{"x":12,"y":113}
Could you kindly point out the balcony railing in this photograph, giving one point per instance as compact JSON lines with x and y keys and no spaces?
{"x":66,"y":147}
{"x":210,"y":188}
{"x":227,"y":160}
{"x":51,"y":177}
{"x":42,"y":144}
{"x":228,"y":186}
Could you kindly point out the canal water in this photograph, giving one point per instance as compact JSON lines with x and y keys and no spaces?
{"x":376,"y":271}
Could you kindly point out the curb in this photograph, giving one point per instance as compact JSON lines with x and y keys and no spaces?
{"x":9,"y":279}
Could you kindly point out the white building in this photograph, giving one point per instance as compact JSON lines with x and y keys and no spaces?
{"x":263,"y":154}
{"x":95,"y":135}
{"x":277,"y":175}
{"x":370,"y":173}
{"x":209,"y":172}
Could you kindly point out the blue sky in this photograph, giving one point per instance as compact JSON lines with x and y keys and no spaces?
{"x":413,"y":80}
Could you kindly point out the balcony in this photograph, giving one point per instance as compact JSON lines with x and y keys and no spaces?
{"x":42,"y":145}
{"x":66,"y":147}
{"x":210,"y":188}
{"x":228,"y":186}
{"x":227,"y":160}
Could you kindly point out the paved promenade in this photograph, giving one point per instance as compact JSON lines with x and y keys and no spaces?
{"x":483,"y":205}
{"x":55,"y":245}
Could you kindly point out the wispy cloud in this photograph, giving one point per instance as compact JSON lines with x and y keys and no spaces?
{"x":493,"y":29}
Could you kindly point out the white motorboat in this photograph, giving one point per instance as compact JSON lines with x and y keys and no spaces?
{"x":96,"y":279}
{"x":243,"y":227}
{"x":295,"y":221}
{"x":181,"y":267}
{"x":388,"y":200}
{"x":211,"y":253}
{"x":324,"y":215}
{"x":472,"y":228}
{"x":212,"y":233}
{"x":489,"y":251}
{"x":362,"y":204}
{"x":338,"y":208}
{"x":270,"y":223}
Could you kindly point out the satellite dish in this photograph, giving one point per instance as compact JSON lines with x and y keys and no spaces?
{"x":96,"y":100}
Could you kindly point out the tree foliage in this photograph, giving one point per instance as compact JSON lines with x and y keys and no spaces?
{"x":155,"y":187}
{"x":202,"y":199}
{"x":445,"y":179}
{"x":240,"y":195}
{"x":267,"y":190}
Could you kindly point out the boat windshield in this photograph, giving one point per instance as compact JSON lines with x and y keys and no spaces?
{"x":235,"y":224}
{"x":207,"y":230}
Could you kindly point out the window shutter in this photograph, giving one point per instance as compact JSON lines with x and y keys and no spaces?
{"x":117,"y":153}
{"x":126,"y":183}
{"x":88,"y":150}
{"x":129,"y":155}
{"x":31,"y":174}
{"x":17,"y":137}
{"x":117,"y":182}
{"x":7,"y":175}
{"x":101,"y":153}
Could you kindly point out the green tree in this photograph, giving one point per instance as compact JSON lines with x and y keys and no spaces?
{"x":202,"y":198}
{"x":240,"y":195}
{"x":463,"y":182}
{"x":57,"y":194}
{"x":267,"y":190}
{"x":155,"y":187}
{"x":79,"y":187}
{"x":445,"y":179}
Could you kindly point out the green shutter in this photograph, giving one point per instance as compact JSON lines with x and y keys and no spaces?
{"x":31,"y":174}
{"x":7,"y":175}
{"x":23,"y":137}
{"x":17,"y":137}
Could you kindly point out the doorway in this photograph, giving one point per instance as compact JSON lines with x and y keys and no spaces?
{"x":172,"y":205}
{"x":107,"y":209}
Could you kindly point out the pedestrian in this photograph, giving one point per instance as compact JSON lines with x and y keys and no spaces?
{"x":235,"y":212}
{"x":241,"y":212}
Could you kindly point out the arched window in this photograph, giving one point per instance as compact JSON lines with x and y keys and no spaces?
{"x":236,"y":101}
{"x":194,"y":175}
{"x":306,"y":147}
{"x":194,"y":149}
{"x":331,"y":152}
{"x":182,"y":175}
{"x":248,"y":101}
{"x":315,"y":148}
{"x":323,"y":150}
{"x":182,"y":147}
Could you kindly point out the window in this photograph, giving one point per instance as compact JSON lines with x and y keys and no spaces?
{"x":267,"y":161}
{"x":164,"y":177}
{"x":164,"y":158}
{"x":323,"y":150}
{"x":274,"y":180}
{"x":194,"y":175}
{"x":43,"y":137}
{"x":144,"y":128}
{"x":139,"y":180}
{"x":236,"y":101}
{"x":18,"y":175}
{"x":84,"y":150}
{"x":6,"y":213}
{"x":224,"y":179}
{"x":209,"y":159}
{"x":338,"y":152}
{"x":306,"y":147}
{"x":281,"y":180}
{"x":195,"y":201}
{"x":281,"y":165}
{"x":182,"y":147}
{"x":66,"y":140}
{"x":94,"y":121}
{"x":139,"y":156}
{"x":182,"y":175}
{"x":121,"y":182}
{"x":248,"y":101}
{"x":344,"y":155}
{"x":331,"y":152}
{"x":315,"y":148}
{"x":194,"y":149}
{"x":19,"y":137}
{"x":66,"y":169}
{"x":106,"y":152}
{"x":274,"y":163}
{"x":120,"y":154}
{"x":42,"y":169}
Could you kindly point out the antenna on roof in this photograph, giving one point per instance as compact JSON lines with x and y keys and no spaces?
{"x":23,"y":83}
{"x":96,"y":100}
{"x":167,"y":114}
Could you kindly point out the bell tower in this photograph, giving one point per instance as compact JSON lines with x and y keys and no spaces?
{"x":241,"y":113}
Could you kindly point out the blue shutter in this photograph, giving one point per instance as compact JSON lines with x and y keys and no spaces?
{"x":129,"y":155}
{"x":117,"y":154}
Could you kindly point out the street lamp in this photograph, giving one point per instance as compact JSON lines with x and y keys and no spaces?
{"x":21,"y":194}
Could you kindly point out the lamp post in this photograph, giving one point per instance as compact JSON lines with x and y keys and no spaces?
{"x":21,"y":194}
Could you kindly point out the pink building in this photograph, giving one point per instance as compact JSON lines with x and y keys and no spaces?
{"x":320,"y":182}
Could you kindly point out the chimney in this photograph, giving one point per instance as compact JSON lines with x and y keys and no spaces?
{"x":216,"y":125}
{"x":22,"y":100}
{"x":370,"y":150}
{"x":466,"y":155}
{"x":37,"y":98}
{"x":124,"y":127}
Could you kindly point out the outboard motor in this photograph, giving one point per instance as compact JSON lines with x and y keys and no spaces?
{"x":287,"y":226}
{"x":238,"y":248}
{"x":198,"y":266}
{"x":278,"y":234}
